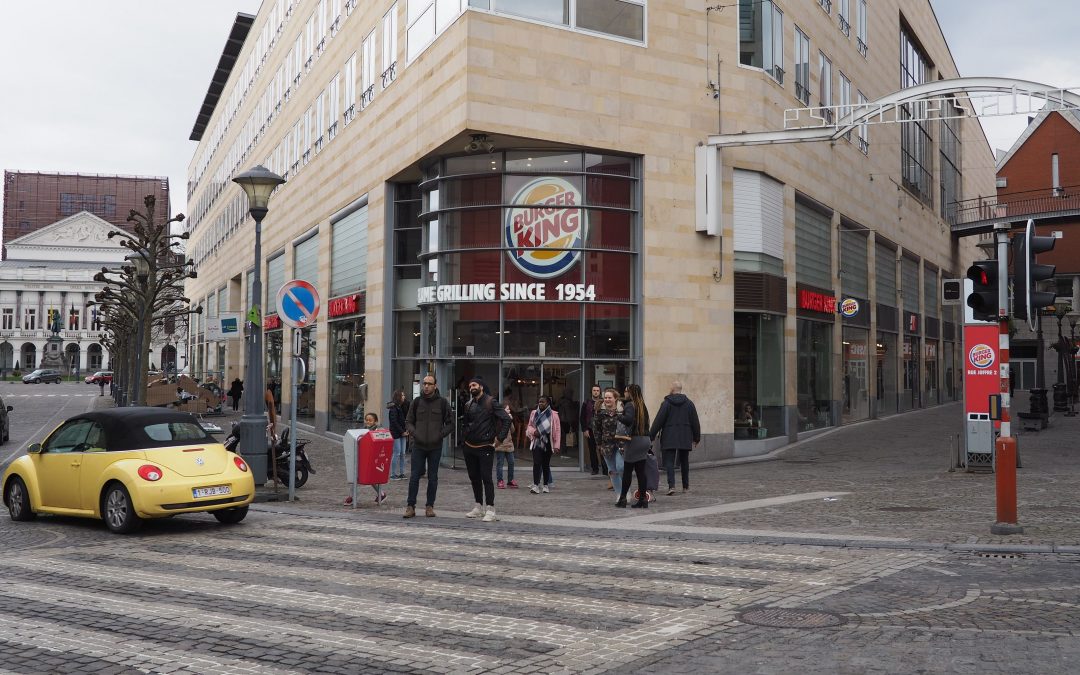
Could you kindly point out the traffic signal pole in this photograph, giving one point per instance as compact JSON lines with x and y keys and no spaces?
{"x":1005,"y":459}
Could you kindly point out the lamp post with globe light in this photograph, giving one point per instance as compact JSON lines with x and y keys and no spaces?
{"x":258,"y":184}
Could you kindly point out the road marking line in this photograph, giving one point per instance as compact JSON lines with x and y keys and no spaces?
{"x":734,"y":506}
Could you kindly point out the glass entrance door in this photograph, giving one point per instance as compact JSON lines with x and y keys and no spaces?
{"x":524,"y":382}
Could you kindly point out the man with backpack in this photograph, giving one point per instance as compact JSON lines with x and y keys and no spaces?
{"x":428,"y":422}
{"x":485,"y":424}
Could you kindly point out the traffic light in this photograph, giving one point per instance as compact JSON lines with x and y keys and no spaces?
{"x":1027,"y":273}
{"x":983,"y":300}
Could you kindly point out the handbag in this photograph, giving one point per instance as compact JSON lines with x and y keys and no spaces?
{"x":622,"y":432}
{"x":637,"y":449}
{"x":571,"y":438}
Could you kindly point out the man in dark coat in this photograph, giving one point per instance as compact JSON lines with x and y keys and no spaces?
{"x":485,"y":424}
{"x":680,"y":431}
{"x":588,"y":411}
{"x":428,"y":422}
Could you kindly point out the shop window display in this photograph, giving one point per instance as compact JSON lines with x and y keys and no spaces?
{"x":759,"y":376}
{"x":815,"y":374}
{"x":886,"y":373}
{"x":348,"y":388}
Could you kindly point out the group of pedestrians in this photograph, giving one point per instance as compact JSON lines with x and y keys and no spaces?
{"x":617,"y":430}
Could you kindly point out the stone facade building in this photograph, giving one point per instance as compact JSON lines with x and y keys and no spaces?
{"x":512,"y":189}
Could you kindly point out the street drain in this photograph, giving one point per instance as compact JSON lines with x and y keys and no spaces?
{"x":780,"y":617}
{"x":1007,"y":556}
{"x":907,"y":509}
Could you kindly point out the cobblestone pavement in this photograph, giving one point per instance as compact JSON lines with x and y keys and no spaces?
{"x":363,"y":592}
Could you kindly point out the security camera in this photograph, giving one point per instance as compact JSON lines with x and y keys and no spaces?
{"x":479,"y":142}
{"x":472,"y":146}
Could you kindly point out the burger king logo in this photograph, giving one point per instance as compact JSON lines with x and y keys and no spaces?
{"x":543,"y":231}
{"x":849,"y":307}
{"x":981,"y":356}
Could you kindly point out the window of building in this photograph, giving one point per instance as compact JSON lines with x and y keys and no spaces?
{"x":348,"y":255}
{"x":863,"y":132}
{"x":802,"y":66}
{"x":30,"y":319}
{"x":826,"y":5}
{"x":845,"y":100}
{"x":915,"y":144}
{"x":814,"y":340}
{"x":854,"y":267}
{"x":860,"y":27}
{"x":350,"y":88}
{"x":950,"y":176}
{"x":885,"y":274}
{"x":333,"y":101}
{"x":8,"y":319}
{"x":759,"y":376}
{"x":275,"y":277}
{"x":761,"y":37}
{"x":825,"y":86}
{"x":624,"y":18}
{"x":309,"y":41}
{"x":426,"y":19}
{"x":909,"y":278}
{"x":813,"y":246}
{"x":389,"y":45}
{"x":843,"y":16}
{"x":367,"y":69}
{"x":930,"y":292}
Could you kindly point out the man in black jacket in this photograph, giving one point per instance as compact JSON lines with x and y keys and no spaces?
{"x":485,"y":423}
{"x":428,"y":422}
{"x":679,"y":430}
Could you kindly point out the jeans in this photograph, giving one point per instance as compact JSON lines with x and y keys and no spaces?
{"x":615,"y":466}
{"x":506,"y":458}
{"x":420,"y":457}
{"x":628,"y":473}
{"x":541,"y":465}
{"x":397,"y":464}
{"x":683,"y":457}
{"x":479,"y":462}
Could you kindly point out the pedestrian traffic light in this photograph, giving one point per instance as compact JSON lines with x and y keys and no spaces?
{"x":983,"y":300}
{"x":1027,"y":273}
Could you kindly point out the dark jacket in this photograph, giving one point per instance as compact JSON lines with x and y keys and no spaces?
{"x":567,"y":408}
{"x":395,"y":415}
{"x":236,"y":389}
{"x":677,"y":423}
{"x":485,"y":422}
{"x":632,"y":452}
{"x":429,"y":421}
{"x":588,"y":411}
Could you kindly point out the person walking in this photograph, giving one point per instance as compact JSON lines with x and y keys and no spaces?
{"x":679,"y":430}
{"x":604,"y":424}
{"x":236,"y":389}
{"x":396,"y":410}
{"x":544,"y":433}
{"x":504,"y":454}
{"x":585,"y":417}
{"x":428,"y":421}
{"x":101,"y":385}
{"x":636,"y":418}
{"x":485,"y":424}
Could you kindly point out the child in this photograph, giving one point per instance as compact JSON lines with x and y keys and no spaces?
{"x":504,"y":454}
{"x":371,"y":423}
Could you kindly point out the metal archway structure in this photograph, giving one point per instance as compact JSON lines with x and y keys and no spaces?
{"x":986,"y":96}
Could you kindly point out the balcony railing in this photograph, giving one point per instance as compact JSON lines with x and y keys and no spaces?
{"x":980,"y":213}
{"x":389,"y":75}
{"x":367,"y":96}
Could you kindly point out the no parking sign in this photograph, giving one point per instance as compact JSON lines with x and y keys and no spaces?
{"x":297,"y":303}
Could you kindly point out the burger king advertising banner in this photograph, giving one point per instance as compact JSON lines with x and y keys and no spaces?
{"x":981,"y":377}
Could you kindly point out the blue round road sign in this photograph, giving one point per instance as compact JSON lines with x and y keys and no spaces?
{"x":298,"y":304}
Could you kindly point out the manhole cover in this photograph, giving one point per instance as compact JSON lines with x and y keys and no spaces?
{"x":779,"y":617}
{"x":26,"y":537}
{"x":907,"y":509}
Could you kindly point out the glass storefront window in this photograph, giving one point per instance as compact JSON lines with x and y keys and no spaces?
{"x":466,"y":164}
{"x":607,"y":331}
{"x":273,"y":343}
{"x":471,"y":267}
{"x":477,"y":228}
{"x":549,"y":329}
{"x":609,"y":229}
{"x":542,"y":161}
{"x":473,"y":329}
{"x":408,"y":333}
{"x":909,"y":399}
{"x":609,"y":192}
{"x":305,"y":407}
{"x":348,"y":388}
{"x":611,"y":275}
{"x":886,"y":373}
{"x":759,"y":376}
{"x":856,"y":385}
{"x":930,"y":363}
{"x":815,"y":374}
{"x":616,"y":165}
{"x":472,"y":191}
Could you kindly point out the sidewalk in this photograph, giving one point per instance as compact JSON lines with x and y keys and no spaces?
{"x":883,"y":482}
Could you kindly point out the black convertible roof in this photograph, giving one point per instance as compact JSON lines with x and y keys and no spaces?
{"x":124,"y":427}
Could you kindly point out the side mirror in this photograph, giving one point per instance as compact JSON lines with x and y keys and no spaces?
{"x":34,"y":449}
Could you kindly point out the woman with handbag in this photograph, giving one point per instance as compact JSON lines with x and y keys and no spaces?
{"x":636,"y":417}
{"x":605,"y":424}
{"x":544,"y":433}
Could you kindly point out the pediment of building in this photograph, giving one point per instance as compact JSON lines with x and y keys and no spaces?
{"x":81,"y":230}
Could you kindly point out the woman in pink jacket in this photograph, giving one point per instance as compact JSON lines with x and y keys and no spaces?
{"x":544,"y":433}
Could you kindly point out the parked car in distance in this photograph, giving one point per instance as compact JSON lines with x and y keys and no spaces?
{"x":43,"y":375}
{"x":125,"y":465}
{"x":5,"y":422}
{"x":99,"y":376}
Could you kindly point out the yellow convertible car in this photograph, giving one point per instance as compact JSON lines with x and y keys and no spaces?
{"x":125,"y":465}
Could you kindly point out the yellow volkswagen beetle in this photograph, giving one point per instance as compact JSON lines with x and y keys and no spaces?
{"x":124,"y":465}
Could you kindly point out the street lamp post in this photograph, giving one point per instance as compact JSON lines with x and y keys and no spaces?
{"x":258,"y":184}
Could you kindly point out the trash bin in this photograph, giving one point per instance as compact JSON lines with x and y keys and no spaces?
{"x":367,"y":458}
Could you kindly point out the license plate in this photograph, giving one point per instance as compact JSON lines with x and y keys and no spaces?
{"x":211,"y":491}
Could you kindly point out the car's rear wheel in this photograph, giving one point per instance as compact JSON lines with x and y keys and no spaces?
{"x":18,"y":500}
{"x":231,"y":516}
{"x":118,"y":511}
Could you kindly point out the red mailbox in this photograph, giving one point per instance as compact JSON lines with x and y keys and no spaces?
{"x":374,"y":450}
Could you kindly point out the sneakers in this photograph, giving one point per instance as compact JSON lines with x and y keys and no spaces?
{"x":512,"y":483}
{"x":685,"y":490}
{"x":535,"y":489}
{"x":546,"y":489}
{"x":429,"y":511}
{"x":379,"y":498}
{"x":501,"y":485}
{"x":670,"y":491}
{"x":348,"y":501}
{"x":490,"y":516}
{"x":410,"y":512}
{"x":477,"y":512}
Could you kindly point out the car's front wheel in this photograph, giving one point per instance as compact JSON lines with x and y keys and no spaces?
{"x":118,"y":511}
{"x":231,"y":516}
{"x":18,"y":500}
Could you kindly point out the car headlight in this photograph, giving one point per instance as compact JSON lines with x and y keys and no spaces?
{"x":149,"y":472}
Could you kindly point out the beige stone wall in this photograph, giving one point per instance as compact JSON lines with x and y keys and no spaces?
{"x":527,"y":83}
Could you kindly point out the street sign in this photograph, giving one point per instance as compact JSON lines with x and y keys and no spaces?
{"x":226,"y":326}
{"x":298,"y":304}
{"x":952,"y":291}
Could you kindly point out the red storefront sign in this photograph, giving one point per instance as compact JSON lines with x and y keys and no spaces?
{"x":817,"y":302}
{"x":982,"y":377}
{"x":349,"y":304}
{"x":272,"y":322}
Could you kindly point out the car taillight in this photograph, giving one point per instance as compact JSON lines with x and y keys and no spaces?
{"x":240,"y":464}
{"x":149,"y":472}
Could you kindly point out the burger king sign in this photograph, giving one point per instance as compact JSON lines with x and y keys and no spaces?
{"x":543,"y":231}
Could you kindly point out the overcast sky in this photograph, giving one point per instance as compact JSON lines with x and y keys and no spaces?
{"x":113,"y":86}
